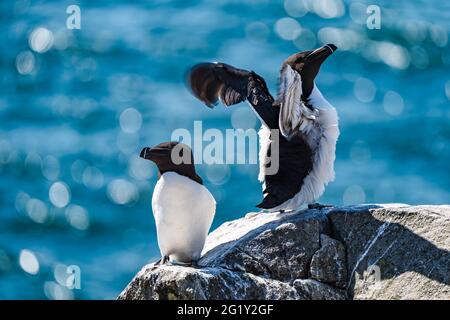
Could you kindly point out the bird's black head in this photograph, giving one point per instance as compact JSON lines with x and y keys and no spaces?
{"x":307,"y":64}
{"x":172,"y":156}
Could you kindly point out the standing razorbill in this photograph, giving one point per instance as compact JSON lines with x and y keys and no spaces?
{"x":307,"y":121}
{"x":183,"y":208}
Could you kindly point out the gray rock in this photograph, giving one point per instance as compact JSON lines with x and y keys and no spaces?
{"x":276,"y":246}
{"x":328,"y":264}
{"x":395,"y":251}
{"x":185,"y":283}
{"x":372,"y":251}
{"x":310,"y":289}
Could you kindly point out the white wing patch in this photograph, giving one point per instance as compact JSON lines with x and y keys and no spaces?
{"x":264,"y":143}
{"x":293,"y":112}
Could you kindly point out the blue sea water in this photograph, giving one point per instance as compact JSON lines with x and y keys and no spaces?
{"x":76,"y":107}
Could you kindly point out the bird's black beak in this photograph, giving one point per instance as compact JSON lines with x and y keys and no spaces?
{"x":151,"y":153}
{"x":319,"y":55}
{"x":145,"y":152}
{"x":308,"y":63}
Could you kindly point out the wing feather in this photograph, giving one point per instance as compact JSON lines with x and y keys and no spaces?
{"x":294,"y":112}
{"x":211,"y":82}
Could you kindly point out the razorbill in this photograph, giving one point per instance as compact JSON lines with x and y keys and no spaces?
{"x":183,"y":207}
{"x":307,"y":121}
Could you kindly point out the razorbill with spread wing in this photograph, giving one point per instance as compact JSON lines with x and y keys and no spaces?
{"x":307,"y":121}
{"x":182,"y":206}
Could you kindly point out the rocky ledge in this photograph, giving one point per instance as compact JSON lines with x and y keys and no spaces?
{"x":356,"y":252}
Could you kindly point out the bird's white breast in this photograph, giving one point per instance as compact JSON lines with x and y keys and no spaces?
{"x":183,"y":211}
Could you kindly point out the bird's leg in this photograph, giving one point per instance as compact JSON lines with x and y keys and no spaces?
{"x":318,"y":206}
{"x":160,"y":262}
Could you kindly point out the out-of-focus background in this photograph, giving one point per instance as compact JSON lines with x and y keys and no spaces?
{"x":76,"y":106}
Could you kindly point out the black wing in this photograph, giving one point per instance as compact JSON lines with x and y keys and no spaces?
{"x":211,"y":82}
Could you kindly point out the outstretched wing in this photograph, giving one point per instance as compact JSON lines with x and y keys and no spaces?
{"x":211,"y":82}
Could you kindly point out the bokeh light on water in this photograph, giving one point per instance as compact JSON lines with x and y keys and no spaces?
{"x":29,"y":262}
{"x":25,"y":62}
{"x":77,"y":106}
{"x":59,"y":194}
{"x":41,"y":40}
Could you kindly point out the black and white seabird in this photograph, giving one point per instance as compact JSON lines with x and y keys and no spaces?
{"x":182,"y":206}
{"x":307,"y":121}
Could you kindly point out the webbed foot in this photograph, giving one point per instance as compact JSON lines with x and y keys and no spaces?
{"x":192,"y":263}
{"x":319,"y":206}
